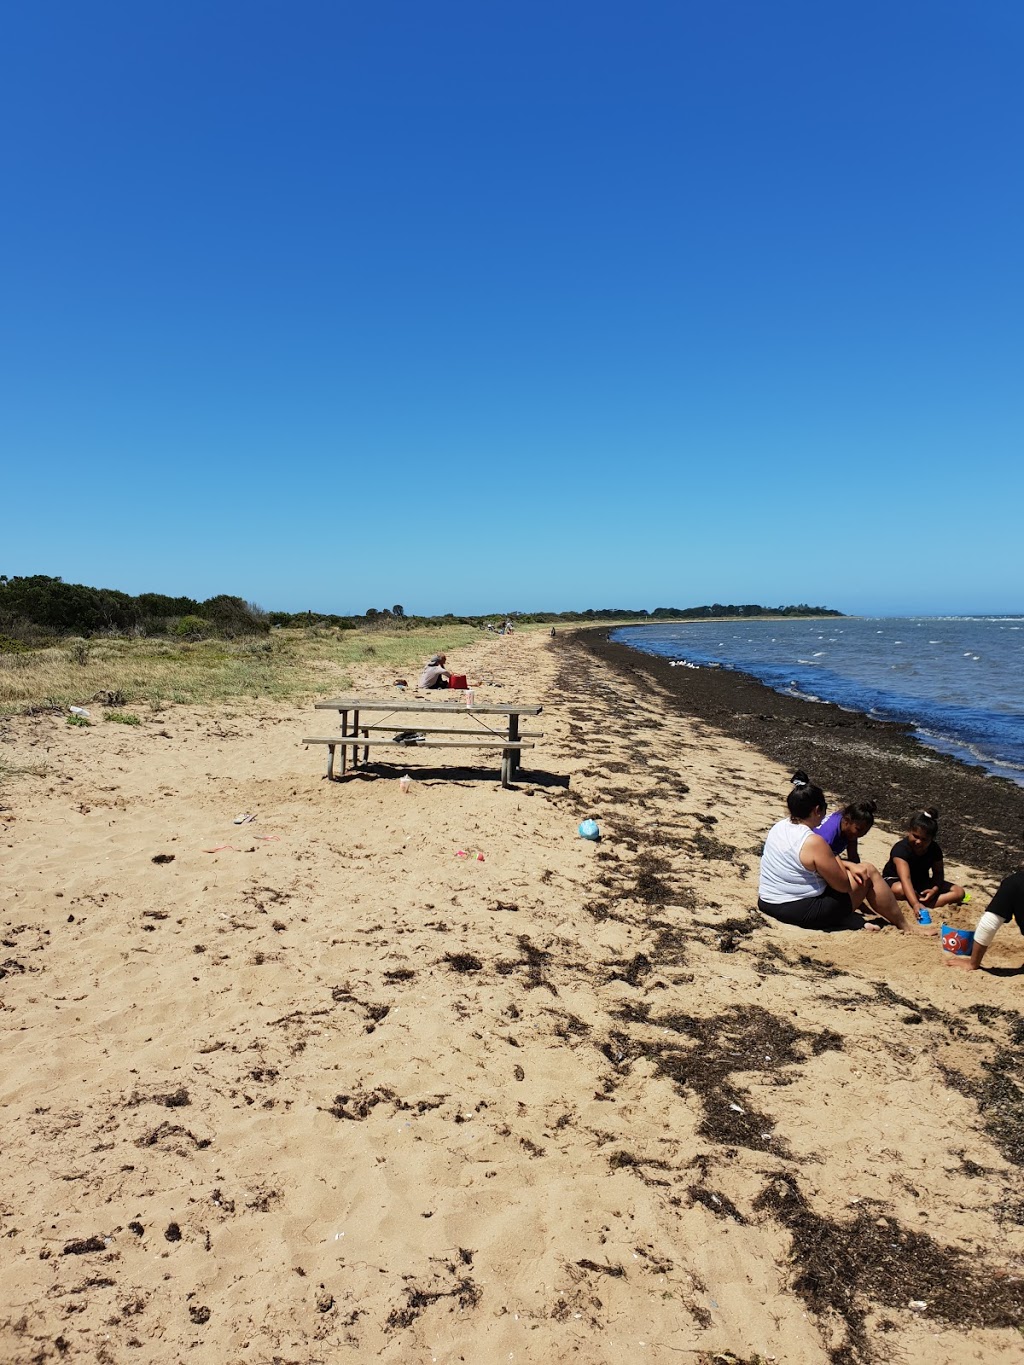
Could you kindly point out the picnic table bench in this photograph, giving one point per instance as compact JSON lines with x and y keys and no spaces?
{"x":358,"y":733}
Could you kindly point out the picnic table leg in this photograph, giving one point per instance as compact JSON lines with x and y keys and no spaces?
{"x":330,"y":762}
{"x":344,"y":747}
{"x":506,"y":758}
{"x":513,"y":754}
{"x":355,"y":751}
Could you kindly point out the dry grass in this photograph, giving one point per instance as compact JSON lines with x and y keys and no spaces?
{"x":9,"y":770}
{"x":286,"y":664}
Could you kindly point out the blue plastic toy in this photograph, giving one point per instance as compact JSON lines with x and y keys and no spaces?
{"x":589,"y":830}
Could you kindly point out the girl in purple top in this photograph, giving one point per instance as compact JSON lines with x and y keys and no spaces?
{"x":844,"y":827}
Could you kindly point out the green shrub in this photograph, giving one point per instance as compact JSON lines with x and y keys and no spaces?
{"x":122,"y":717}
{"x":77,"y":720}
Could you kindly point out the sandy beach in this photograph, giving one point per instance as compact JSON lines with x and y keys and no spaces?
{"x":317,"y":1088}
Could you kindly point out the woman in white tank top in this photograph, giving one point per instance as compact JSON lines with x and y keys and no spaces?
{"x":802,"y":882}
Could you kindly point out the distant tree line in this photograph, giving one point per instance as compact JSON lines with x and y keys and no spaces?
{"x":34,"y":609}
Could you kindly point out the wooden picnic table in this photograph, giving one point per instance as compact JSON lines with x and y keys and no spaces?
{"x":482,"y":732}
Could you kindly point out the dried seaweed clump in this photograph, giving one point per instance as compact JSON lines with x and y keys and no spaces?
{"x":743,"y":1038}
{"x":999,"y":1099}
{"x":845,"y":1267}
{"x":463,"y":962}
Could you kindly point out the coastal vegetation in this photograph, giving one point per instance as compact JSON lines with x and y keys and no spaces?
{"x":66,"y":644}
{"x":38,"y":609}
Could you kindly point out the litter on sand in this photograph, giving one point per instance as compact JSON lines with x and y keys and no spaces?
{"x":219,"y":848}
{"x":268,"y":838}
{"x":244,"y":819}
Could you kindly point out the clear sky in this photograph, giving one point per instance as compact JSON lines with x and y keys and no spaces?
{"x":477,"y":305}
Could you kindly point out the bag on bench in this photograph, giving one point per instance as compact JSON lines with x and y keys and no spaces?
{"x":409,"y":737}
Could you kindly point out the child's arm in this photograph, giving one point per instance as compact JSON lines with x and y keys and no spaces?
{"x":903,"y":872}
{"x":930,"y":893}
{"x":821,"y":859}
{"x":988,"y":926}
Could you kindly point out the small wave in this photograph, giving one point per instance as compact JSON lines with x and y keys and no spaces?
{"x":795,"y":690}
{"x":963,"y":749}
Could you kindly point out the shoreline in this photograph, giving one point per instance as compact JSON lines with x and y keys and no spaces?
{"x":940,"y":740}
{"x":846,"y":752}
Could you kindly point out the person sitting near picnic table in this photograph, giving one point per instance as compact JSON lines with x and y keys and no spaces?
{"x":434,"y":673}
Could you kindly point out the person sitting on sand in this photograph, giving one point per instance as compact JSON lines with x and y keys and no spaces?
{"x":1005,"y":905}
{"x":803,"y":883}
{"x":841,"y":831}
{"x":915,"y":869}
{"x":434,"y":673}
{"x":845,"y":827}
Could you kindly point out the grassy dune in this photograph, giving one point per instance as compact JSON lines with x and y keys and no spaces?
{"x":286,"y":664}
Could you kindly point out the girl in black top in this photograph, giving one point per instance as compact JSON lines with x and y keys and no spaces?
{"x":915,"y":868}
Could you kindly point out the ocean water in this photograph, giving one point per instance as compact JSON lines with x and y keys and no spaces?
{"x":959,"y":680}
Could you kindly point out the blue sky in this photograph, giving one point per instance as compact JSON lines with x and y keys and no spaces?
{"x":474,"y":306}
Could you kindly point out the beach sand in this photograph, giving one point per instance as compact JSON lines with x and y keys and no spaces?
{"x":334,"y":1092}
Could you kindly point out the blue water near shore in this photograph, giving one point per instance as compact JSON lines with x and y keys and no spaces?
{"x":959,"y":680}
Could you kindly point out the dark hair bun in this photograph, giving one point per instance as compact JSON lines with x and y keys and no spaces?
{"x":800,"y":778}
{"x":932,"y":812}
{"x":872,"y":806}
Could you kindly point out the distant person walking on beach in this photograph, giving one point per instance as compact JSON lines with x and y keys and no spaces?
{"x":803,"y":883}
{"x":915,"y":869}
